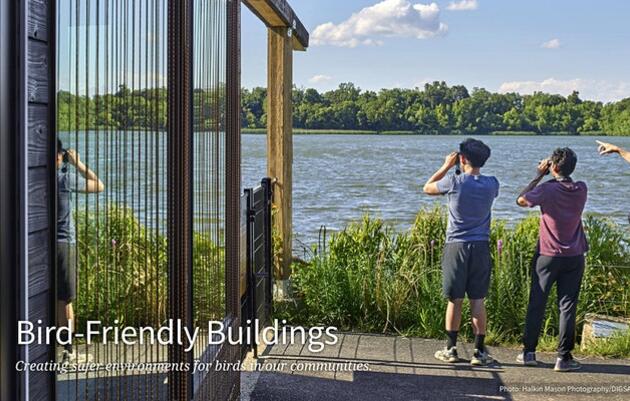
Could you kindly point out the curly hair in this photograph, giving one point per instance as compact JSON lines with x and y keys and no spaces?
{"x":565,"y":159}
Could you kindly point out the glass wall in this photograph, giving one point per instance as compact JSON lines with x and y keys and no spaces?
{"x":209,"y":157}
{"x":111,"y":194}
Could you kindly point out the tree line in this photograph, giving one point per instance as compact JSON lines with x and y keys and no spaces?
{"x":143,"y":109}
{"x":441,"y":109}
{"x":437,"y":108}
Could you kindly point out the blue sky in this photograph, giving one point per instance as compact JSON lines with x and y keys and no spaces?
{"x":555,"y":46}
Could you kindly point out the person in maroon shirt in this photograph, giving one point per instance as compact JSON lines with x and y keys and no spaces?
{"x":559,"y":256}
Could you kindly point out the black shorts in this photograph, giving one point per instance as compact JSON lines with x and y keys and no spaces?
{"x":66,"y":271}
{"x":466,"y":268}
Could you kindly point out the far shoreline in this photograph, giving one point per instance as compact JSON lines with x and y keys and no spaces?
{"x":303,"y":131}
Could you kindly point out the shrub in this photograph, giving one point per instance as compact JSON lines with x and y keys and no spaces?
{"x":370,"y":278}
{"x":122,"y":272}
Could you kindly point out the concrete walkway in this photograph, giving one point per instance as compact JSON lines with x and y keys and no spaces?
{"x":365,"y":367}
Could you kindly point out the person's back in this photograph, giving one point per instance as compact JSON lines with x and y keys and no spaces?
{"x":559,"y":259}
{"x":561,"y":204}
{"x":470,"y":199}
{"x":66,"y":186}
{"x":466,"y":259}
{"x":83,"y":180}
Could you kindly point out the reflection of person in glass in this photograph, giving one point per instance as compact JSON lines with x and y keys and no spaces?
{"x":80,"y":179}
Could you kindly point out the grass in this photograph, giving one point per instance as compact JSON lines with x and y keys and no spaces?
{"x":367,"y":277}
{"x":122,"y":272}
{"x":370,"y":278}
{"x":614,"y":347}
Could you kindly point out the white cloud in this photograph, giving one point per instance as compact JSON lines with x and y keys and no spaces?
{"x":419,"y":83}
{"x":551,"y":44}
{"x":388,"y":18}
{"x":463,"y":5}
{"x":550,"y":85}
{"x":591,"y":89}
{"x":320,"y":79}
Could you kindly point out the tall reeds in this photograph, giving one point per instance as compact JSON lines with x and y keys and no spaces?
{"x":370,"y":278}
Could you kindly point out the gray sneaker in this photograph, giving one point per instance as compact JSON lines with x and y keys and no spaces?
{"x":527,"y":358}
{"x":567,"y":365}
{"x":481,"y":358}
{"x":447,"y":355}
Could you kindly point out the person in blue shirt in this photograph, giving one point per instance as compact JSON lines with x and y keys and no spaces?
{"x":69,"y":181}
{"x":466,"y":262}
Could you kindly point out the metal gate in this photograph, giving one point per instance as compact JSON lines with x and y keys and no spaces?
{"x":256,"y":282}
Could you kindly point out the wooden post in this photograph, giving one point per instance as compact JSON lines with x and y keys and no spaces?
{"x":179,"y":182}
{"x":279,"y":138}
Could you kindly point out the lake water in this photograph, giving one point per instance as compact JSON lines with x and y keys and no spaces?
{"x":337,"y":178}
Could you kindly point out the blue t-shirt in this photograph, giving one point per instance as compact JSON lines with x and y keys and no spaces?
{"x":470,"y":199}
{"x":67,"y":184}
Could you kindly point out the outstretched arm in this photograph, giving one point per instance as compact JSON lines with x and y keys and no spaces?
{"x":543,"y":168}
{"x":431,"y":187}
{"x":608,"y":148}
{"x":92,"y":183}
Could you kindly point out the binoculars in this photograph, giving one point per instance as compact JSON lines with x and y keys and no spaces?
{"x":458,"y":168}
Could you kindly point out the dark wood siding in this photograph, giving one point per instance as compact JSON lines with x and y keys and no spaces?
{"x":40,"y":205}
{"x":37,"y":71}
{"x":39,"y":263}
{"x":40,"y":383}
{"x":38,"y":135}
{"x":38,"y":201}
{"x":38,"y":20}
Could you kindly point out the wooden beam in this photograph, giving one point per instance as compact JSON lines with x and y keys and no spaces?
{"x":280,"y":137}
{"x":278,"y":13}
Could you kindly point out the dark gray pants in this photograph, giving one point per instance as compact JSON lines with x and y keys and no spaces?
{"x":66,"y":271}
{"x":567,"y":273}
{"x":466,"y":268}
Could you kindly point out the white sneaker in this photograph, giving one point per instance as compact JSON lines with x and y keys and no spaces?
{"x":447,"y":355}
{"x":75,"y":357}
{"x":481,"y":358}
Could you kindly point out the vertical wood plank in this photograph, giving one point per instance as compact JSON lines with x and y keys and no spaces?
{"x":40,"y":383}
{"x":38,"y":132}
{"x":38,"y":19}
{"x":38,"y":312}
{"x":280,"y":138}
{"x":38,"y":85}
{"x":38,"y":202}
{"x":38,"y":262}
{"x":40,"y":210}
